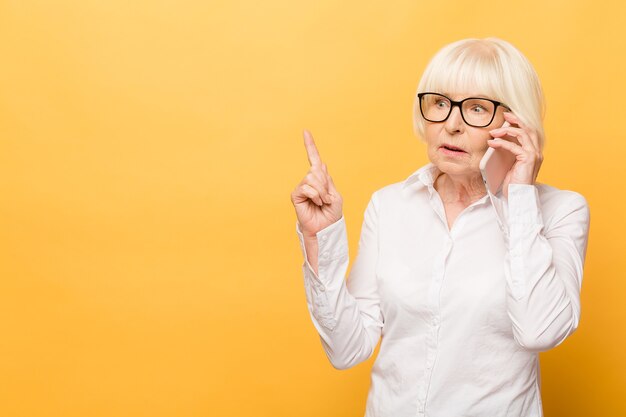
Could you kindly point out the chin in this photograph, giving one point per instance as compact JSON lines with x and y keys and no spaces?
{"x":456,"y":168}
{"x":451,"y":166}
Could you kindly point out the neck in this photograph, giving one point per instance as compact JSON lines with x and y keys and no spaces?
{"x":460,"y":189}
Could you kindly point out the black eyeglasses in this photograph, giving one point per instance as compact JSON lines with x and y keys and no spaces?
{"x":475,"y":111}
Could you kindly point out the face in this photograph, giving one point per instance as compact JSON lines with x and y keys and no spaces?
{"x":455,"y":147}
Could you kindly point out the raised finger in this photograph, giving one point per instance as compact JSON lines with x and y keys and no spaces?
{"x":311,"y":149}
{"x":331,"y":186}
{"x":320,"y":174}
{"x":326,"y":175}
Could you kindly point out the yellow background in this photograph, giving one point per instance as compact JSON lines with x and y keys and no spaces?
{"x":149,"y":264}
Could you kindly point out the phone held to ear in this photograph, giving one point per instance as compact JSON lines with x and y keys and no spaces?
{"x":494,"y":166}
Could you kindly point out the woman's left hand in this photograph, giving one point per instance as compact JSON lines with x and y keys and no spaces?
{"x":528,"y":156}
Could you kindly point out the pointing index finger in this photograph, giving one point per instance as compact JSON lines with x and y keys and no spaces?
{"x":311,"y":149}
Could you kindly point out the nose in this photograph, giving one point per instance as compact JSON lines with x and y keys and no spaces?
{"x":454,"y":123}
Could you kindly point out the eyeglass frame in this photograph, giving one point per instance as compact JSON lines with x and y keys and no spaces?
{"x":459,"y":104}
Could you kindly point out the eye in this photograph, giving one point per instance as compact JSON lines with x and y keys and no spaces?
{"x":442,"y":103}
{"x":477,"y":108}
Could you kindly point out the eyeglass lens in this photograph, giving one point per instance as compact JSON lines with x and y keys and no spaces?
{"x":476,"y":112}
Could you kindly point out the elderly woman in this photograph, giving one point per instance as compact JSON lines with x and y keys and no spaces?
{"x":464,"y":286}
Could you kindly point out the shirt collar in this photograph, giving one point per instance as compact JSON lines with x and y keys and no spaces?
{"x":425,"y":176}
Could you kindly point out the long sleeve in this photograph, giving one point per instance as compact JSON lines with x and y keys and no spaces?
{"x":346,"y":314}
{"x":544,"y":266}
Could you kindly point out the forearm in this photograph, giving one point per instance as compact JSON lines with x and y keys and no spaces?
{"x":346,"y":314}
{"x":544,"y":269}
{"x":543,"y":311}
{"x":347,"y":333}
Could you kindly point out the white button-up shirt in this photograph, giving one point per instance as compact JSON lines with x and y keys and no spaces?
{"x":463,"y":312}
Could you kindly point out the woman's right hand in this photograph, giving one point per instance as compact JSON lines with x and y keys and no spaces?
{"x":317,"y":202}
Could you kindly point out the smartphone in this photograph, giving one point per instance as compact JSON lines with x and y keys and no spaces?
{"x":495,"y":164}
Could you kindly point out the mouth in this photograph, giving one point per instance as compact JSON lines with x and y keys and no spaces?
{"x":451,"y":150}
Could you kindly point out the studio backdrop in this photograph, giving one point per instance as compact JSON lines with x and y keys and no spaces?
{"x":149,"y":264}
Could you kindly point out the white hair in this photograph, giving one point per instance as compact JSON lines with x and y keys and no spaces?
{"x":491,"y":66}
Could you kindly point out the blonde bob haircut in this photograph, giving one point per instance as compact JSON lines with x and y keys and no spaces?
{"x":490,"y":67}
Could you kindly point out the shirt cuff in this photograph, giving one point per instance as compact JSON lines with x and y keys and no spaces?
{"x":524,"y":207}
{"x":332,"y":242}
{"x":525,"y":222}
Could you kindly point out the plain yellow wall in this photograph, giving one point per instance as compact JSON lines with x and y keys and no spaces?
{"x":149,"y":264}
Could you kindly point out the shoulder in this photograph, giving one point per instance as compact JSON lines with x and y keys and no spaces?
{"x":390,"y":196}
{"x":552,"y":196}
{"x":409,"y":187}
{"x":389,"y":191}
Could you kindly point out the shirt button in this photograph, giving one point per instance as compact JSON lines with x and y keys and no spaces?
{"x":325,"y":255}
{"x":324,"y":238}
